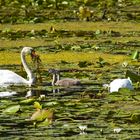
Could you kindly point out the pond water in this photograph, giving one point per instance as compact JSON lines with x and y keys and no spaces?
{"x":84,"y":112}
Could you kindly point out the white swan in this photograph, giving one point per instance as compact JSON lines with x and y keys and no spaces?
{"x":66,"y":82}
{"x":8,"y":77}
{"x":116,"y":84}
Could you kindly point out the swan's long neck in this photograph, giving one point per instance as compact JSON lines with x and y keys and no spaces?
{"x":54,"y":80}
{"x":58,"y":77}
{"x":27,"y":69}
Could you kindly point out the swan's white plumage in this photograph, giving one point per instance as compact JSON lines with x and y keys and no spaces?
{"x":8,"y":77}
{"x":116,"y":84}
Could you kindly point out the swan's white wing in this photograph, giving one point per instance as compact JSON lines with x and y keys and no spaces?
{"x":116,"y":84}
{"x":126,"y":83}
{"x":8,"y":77}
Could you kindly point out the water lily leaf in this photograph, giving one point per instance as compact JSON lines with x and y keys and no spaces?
{"x":101,"y":62}
{"x":82,"y":64}
{"x":46,"y":122}
{"x":12,"y":109}
{"x":52,"y":103}
{"x":95,"y":47}
{"x":125,"y":91}
{"x":135,"y":55}
{"x":37,"y":105}
{"x":135,"y":117}
{"x":137,"y":97}
{"x":7,"y":30}
{"x":133,"y":76}
{"x":27,"y":101}
{"x":64,"y":62}
{"x":110,"y":114}
{"x":41,"y":115}
{"x":76,"y":48}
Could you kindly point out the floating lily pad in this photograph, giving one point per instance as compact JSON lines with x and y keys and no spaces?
{"x":82,"y":64}
{"x":135,"y":118}
{"x":12,"y":109}
{"x":132,"y":75}
{"x":27,"y":101}
{"x":135,"y":55}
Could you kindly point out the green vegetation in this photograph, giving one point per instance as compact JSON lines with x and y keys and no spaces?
{"x":37,"y":11}
{"x":93,"y":40}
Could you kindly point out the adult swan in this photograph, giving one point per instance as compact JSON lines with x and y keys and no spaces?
{"x":8,"y":77}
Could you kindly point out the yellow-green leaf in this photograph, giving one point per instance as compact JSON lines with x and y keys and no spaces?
{"x":41,"y":115}
{"x":37,"y":105}
{"x":12,"y":109}
{"x":27,"y":101}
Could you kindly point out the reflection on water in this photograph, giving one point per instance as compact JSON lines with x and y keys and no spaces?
{"x":7,"y":93}
{"x":79,"y":111}
{"x":25,"y":93}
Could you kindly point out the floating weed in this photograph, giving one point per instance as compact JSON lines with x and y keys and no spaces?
{"x":64,"y":62}
{"x":101,"y":62}
{"x":82,"y":64}
{"x":37,"y":65}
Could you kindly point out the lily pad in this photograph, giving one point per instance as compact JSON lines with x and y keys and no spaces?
{"x":135,"y":55}
{"x":135,"y":117}
{"x":27,"y":101}
{"x":12,"y":109}
{"x":132,"y":75}
{"x":82,"y":64}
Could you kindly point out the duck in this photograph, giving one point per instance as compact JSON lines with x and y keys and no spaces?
{"x":8,"y":77}
{"x":66,"y":82}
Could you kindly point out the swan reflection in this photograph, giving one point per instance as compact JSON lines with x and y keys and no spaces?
{"x":7,"y":93}
{"x":26,"y":93}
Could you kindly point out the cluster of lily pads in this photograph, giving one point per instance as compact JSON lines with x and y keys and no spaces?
{"x":8,"y":33}
{"x":11,"y":34}
{"x":37,"y":11}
